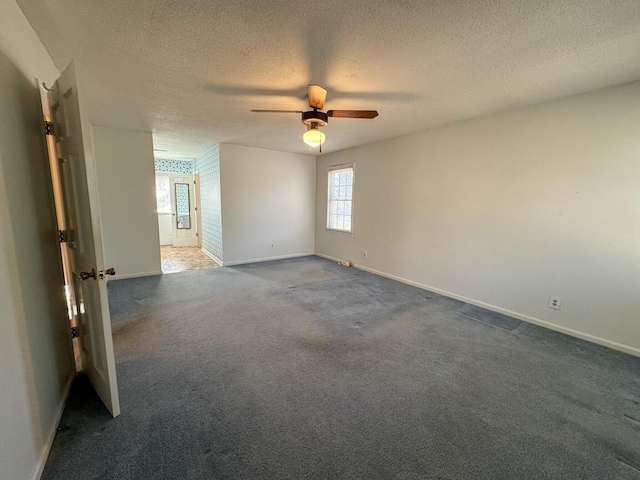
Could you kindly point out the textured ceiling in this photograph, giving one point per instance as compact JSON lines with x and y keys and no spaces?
{"x":192,"y":70}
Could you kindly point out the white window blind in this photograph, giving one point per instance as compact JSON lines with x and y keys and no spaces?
{"x":163,"y":193}
{"x":339,"y":208}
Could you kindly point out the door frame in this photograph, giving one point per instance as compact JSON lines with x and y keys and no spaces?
{"x":196,"y":195}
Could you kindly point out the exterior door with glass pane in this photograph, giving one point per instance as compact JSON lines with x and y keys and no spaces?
{"x":184,"y":219}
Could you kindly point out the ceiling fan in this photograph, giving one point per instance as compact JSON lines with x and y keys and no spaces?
{"x":316,"y":118}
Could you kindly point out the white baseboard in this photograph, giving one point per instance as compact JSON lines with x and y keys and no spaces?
{"x":327,"y":257}
{"x":266,"y":259}
{"x":46,"y":449}
{"x":136,"y":275}
{"x":525,"y":318}
{"x":211,"y":255}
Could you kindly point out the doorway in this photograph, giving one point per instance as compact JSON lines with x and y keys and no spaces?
{"x":179,"y":222}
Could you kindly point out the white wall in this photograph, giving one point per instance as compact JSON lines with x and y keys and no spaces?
{"x":508,"y":209}
{"x":126,"y":189}
{"x":36,"y":361}
{"x":267,"y":198}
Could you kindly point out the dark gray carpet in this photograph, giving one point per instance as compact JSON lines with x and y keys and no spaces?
{"x":302,"y":369}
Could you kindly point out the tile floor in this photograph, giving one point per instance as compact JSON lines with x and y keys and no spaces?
{"x":179,"y":259}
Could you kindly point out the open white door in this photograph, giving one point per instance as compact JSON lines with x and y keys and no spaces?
{"x":183,"y":205}
{"x":64,"y":107}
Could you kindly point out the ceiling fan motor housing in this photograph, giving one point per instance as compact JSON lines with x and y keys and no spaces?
{"x":315,"y":116}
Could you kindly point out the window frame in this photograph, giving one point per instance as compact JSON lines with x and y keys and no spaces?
{"x":332,"y":168}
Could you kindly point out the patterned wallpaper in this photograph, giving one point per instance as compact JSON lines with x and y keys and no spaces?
{"x":173,"y":166}
{"x":208,"y":166}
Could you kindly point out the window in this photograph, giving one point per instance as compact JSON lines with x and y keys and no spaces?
{"x":340,"y":199}
{"x":163,"y":193}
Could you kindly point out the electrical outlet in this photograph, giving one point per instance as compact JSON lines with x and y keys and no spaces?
{"x":364,"y":254}
{"x":271,"y":246}
{"x":554,"y":302}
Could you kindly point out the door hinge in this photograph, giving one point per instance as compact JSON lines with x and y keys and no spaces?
{"x":74,"y":332}
{"x":196,"y":234}
{"x":48,"y":128}
{"x":62,"y":236}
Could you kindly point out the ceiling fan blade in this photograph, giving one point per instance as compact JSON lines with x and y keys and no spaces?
{"x":353,"y":113}
{"x":317,"y":95}
{"x":277,"y":111}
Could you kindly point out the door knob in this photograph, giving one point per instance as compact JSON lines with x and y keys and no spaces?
{"x":88,"y":275}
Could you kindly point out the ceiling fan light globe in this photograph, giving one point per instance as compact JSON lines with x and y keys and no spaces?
{"x":313,"y":137}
